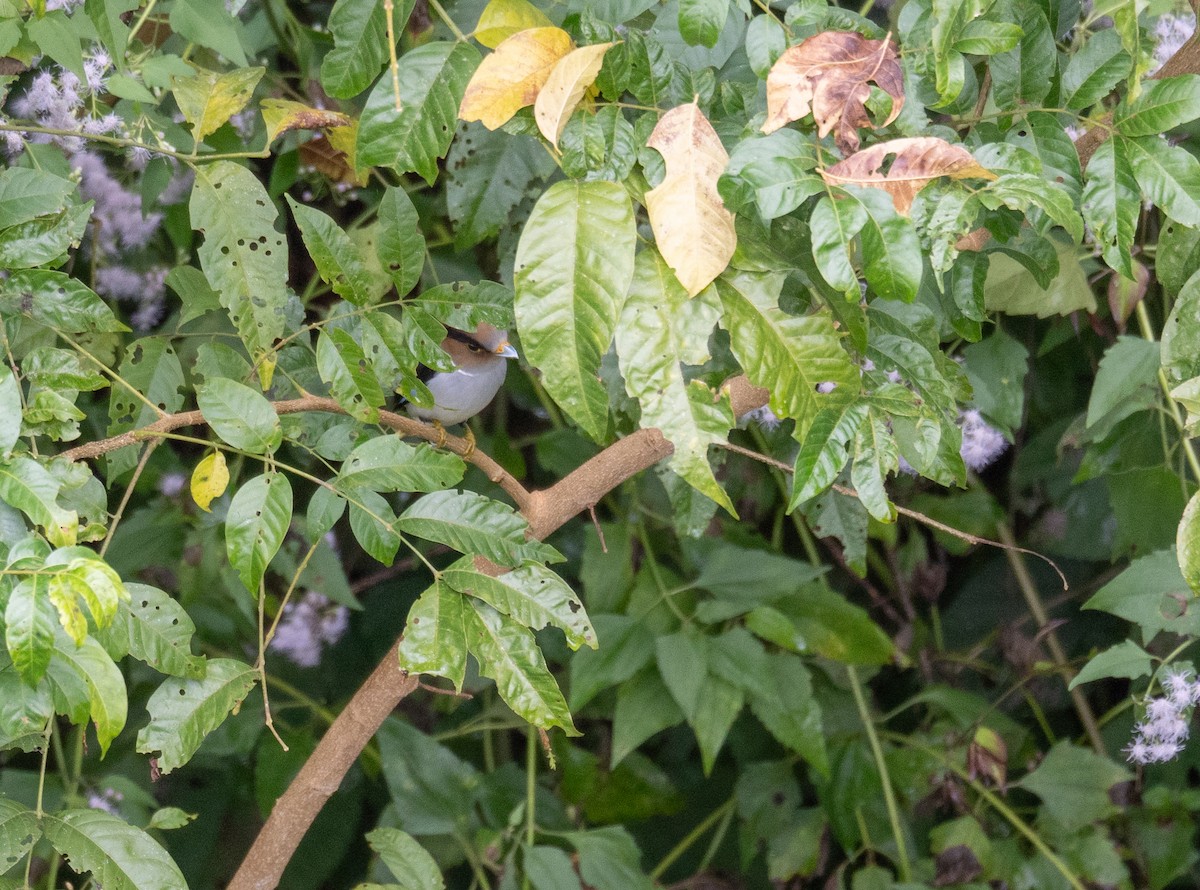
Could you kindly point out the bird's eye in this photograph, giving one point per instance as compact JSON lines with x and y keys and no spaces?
{"x":474,"y":347}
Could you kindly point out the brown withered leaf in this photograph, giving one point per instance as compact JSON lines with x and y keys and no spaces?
{"x":513,"y":75}
{"x":914,"y":163}
{"x":281,"y":115}
{"x":828,"y":74}
{"x":694,"y":231}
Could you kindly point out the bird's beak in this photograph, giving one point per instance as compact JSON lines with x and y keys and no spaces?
{"x":505,"y":350}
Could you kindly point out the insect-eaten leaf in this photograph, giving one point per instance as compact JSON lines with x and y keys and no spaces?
{"x":281,"y":115}
{"x":565,"y":88}
{"x":694,"y":231}
{"x":827,"y":75}
{"x":902,"y":167}
{"x":512,"y":76}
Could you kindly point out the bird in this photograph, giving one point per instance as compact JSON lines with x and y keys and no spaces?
{"x":480,"y":365}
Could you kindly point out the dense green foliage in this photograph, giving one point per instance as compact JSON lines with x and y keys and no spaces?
{"x":958,"y":243}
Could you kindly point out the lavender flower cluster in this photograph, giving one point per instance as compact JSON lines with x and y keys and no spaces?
{"x":308,"y":626}
{"x":1170,"y":33}
{"x":1161,"y":735}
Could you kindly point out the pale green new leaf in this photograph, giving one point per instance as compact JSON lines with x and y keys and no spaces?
{"x":1187,"y":543}
{"x":154,"y":628}
{"x":1180,"y":336}
{"x":209,"y":98}
{"x":1112,"y":203}
{"x":433,"y":79}
{"x":183,"y":712}
{"x":435,"y":637}
{"x":507,"y":652}
{"x":342,"y":364}
{"x":241,"y":416}
{"x":243,"y":256}
{"x":472,"y":523}
{"x":337,"y":258}
{"x":406,"y":859}
{"x":532,"y":595}
{"x":574,"y":265}
{"x":787,"y":354}
{"x":26,"y":193}
{"x":1126,"y":659}
{"x":386,"y":463}
{"x":1162,"y":105}
{"x":108,"y":705}
{"x":1168,"y":175}
{"x":28,"y":486}
{"x":658,"y":329}
{"x":258,"y":518}
{"x":118,"y":855}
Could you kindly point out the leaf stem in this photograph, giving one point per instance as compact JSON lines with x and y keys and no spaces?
{"x":447,"y":21}
{"x":723,"y":811}
{"x":889,"y":794}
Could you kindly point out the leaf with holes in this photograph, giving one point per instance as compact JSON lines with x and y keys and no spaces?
{"x":828,"y":75}
{"x":435,"y":637}
{"x":342,"y":364}
{"x":692,"y":228}
{"x":153,"y":628}
{"x":119,"y":856}
{"x":208,"y":99}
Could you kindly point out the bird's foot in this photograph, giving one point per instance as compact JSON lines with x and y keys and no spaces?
{"x":470,"y":437}
{"x":441,"y":434}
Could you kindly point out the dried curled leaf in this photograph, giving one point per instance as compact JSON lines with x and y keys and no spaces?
{"x":902,"y":167}
{"x":512,"y":76}
{"x":564,"y":88}
{"x":694,"y":231}
{"x":828,"y":74}
{"x":281,"y":115}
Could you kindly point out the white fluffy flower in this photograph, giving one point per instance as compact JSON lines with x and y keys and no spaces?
{"x":982,"y":443}
{"x":308,"y":625}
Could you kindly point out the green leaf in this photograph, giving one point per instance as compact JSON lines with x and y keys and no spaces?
{"x":374,"y":525}
{"x":787,"y":354}
{"x":1045,"y":137}
{"x":258,"y":518}
{"x":1074,"y":785}
{"x":1129,"y":365}
{"x":1168,"y":175}
{"x":112,"y":30}
{"x":598,"y":146}
{"x":243,"y":256}
{"x":996,"y":367}
{"x":1094,"y":71}
{"x":682,"y":660}
{"x":1181,"y":334}
{"x":386,"y":463}
{"x":626,"y":646}
{"x":26,"y":193}
{"x":337,"y":258}
{"x":57,"y":301}
{"x":657,"y":334}
{"x":984,"y":38}
{"x":507,"y":652}
{"x":549,"y":868}
{"x":823,"y":622}
{"x":1162,"y":105}
{"x":407,"y":860}
{"x":718,"y":706}
{"x":108,"y":705}
{"x":25,"y":712}
{"x":833,"y":226}
{"x":19,"y":831}
{"x":1151,"y":593}
{"x":574,"y":264}
{"x":949,"y":18}
{"x":208,"y":99}
{"x":183,"y":712}
{"x":400,"y":244}
{"x":875,"y":456}
{"x":701,"y":21}
{"x":532,"y":595}
{"x":118,"y":855}
{"x":824,"y":450}
{"x":154,"y":628}
{"x":433,"y":79}
{"x":239,"y":415}
{"x":1012,"y":288}
{"x":644,"y":707}
{"x":435,"y":636}
{"x":44,"y":240}
{"x":214,"y":27}
{"x":1187,"y":543}
{"x":152,"y":367}
{"x":1025,"y":74}
{"x":358,"y":29}
{"x":488,"y":174}
{"x":1023,"y":191}
{"x":54,"y":36}
{"x":10,"y":410}
{"x":29,"y":627}
{"x":772,"y":173}
{"x":791,"y":713}
{"x":170,"y":818}
{"x":1176,"y":257}
{"x":1112,"y":204}
{"x":26,"y":485}
{"x":891,"y":251}
{"x":472,"y":523}
{"x":1126,"y":659}
{"x":342,"y":364}
{"x":609,"y":859}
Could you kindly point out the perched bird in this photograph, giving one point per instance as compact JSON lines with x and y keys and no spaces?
{"x":480,"y":363}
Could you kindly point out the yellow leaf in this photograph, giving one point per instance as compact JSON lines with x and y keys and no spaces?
{"x":511,"y":77}
{"x":915,"y":162}
{"x":208,"y":99}
{"x":693,"y":229}
{"x":565,"y":87}
{"x":828,"y":74}
{"x":209,"y":480}
{"x":502,"y":19}
{"x":282,"y":115}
